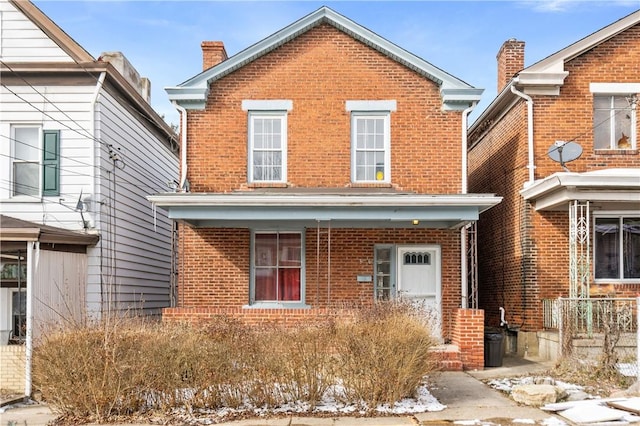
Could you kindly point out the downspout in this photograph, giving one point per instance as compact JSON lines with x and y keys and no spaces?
{"x":183,"y":145}
{"x":531,"y":166}
{"x":92,"y":189}
{"x":33,"y":254}
{"x":92,"y":110}
{"x":464,"y":302}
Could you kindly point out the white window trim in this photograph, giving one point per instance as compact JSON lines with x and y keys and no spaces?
{"x":283,"y":116}
{"x":369,"y":106}
{"x":386,"y":114}
{"x":25,"y":198}
{"x":618,"y":89}
{"x":614,"y":88}
{"x":253,"y":304}
{"x":267,"y":105}
{"x":610,"y":215}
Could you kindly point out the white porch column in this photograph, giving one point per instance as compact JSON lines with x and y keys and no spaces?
{"x":579,"y":245}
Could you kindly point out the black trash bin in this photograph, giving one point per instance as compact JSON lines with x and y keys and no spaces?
{"x":493,"y":348}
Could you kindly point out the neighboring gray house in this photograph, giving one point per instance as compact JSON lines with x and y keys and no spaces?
{"x":80,"y":149}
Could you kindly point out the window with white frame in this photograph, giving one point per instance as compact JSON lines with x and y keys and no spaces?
{"x":26,"y":161}
{"x":267,"y":142}
{"x":277,"y":263}
{"x":371,"y":140}
{"x":614,"y":115}
{"x":35,"y":161}
{"x":617,"y":247}
{"x":267,"y":128}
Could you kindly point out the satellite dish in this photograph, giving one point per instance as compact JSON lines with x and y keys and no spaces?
{"x":563,"y":152}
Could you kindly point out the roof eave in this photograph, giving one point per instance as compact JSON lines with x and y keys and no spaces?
{"x":194,"y":91}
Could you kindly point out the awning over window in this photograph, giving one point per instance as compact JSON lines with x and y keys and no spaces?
{"x":317,"y":207}
{"x":608,"y":188}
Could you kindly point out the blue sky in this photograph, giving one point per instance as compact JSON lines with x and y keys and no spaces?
{"x":162,"y":38}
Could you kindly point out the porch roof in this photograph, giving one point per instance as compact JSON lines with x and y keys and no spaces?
{"x":14,"y":230}
{"x":611,"y":188}
{"x":312,"y":208}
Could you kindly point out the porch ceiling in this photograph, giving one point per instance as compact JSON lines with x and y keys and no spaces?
{"x":338,"y":210}
{"x":608,"y":189}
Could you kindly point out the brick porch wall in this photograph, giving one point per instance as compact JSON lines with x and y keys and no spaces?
{"x":12,"y":368}
{"x":468,"y":335}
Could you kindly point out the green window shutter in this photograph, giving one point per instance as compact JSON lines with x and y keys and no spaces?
{"x":51,"y":163}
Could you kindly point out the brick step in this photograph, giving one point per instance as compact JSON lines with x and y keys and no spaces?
{"x":448,"y":357}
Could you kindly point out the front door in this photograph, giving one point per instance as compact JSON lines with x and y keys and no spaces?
{"x":419,"y":281}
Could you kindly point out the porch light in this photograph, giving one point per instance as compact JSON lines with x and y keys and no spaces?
{"x":416,"y":222}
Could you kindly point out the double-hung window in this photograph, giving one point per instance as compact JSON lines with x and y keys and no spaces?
{"x":267,"y":125}
{"x":35,"y":161}
{"x":277,"y":264}
{"x":617,"y":248}
{"x":614,"y":115}
{"x":371,"y":140}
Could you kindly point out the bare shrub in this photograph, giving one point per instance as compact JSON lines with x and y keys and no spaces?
{"x":126,"y":367}
{"x":384,"y":354}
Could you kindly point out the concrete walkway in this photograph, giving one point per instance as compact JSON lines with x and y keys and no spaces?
{"x":467,"y":398}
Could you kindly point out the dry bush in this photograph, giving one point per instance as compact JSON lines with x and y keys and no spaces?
{"x":384,"y":354}
{"x":95,"y":371}
{"x":307,"y":363}
{"x":126,"y":367}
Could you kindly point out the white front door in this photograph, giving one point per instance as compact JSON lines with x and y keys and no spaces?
{"x":419,"y":281}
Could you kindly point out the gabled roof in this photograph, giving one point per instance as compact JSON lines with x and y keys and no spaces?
{"x":456,"y":94}
{"x":53,"y":31}
{"x":551,"y":70}
{"x":84,"y":63}
{"x":545,"y":77}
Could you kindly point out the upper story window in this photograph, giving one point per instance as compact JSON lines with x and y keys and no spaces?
{"x":371,"y":140}
{"x":617,"y":248}
{"x":614,"y":115}
{"x":267,"y":124}
{"x":35,"y":161}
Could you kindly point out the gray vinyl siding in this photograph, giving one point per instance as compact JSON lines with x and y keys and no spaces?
{"x":22,"y":41}
{"x":136,"y":256}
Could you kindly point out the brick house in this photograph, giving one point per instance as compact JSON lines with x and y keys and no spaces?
{"x":324,"y":167}
{"x":567,"y":228}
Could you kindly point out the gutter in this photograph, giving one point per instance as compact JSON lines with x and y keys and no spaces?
{"x":92,"y":111}
{"x":464,"y":303}
{"x":183,"y":145}
{"x":531,"y":166}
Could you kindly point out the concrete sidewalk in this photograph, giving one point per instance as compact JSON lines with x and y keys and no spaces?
{"x":467,"y":398}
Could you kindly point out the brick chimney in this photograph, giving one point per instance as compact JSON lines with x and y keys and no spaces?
{"x":510,"y":61}
{"x":213,"y":52}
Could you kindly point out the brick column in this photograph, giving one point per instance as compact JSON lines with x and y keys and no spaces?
{"x":468,"y":335}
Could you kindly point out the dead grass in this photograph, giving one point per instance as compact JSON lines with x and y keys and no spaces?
{"x":127,"y":367}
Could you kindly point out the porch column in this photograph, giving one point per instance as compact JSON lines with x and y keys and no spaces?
{"x":33,"y":252}
{"x":579,"y":245}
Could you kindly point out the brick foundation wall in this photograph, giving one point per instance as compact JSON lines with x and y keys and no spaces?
{"x":468,"y":335}
{"x":12,"y":368}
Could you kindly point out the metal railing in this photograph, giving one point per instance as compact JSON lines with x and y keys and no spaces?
{"x":590,"y":315}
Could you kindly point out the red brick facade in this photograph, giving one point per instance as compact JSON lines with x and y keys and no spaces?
{"x":523,"y":253}
{"x":318,"y":72}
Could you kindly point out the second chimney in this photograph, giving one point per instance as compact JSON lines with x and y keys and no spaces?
{"x":213,"y":52}
{"x":510,"y":61}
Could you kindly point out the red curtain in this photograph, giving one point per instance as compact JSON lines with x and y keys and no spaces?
{"x":289,"y":283}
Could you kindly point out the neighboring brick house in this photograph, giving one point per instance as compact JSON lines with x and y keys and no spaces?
{"x":560,"y":231}
{"x":323,"y":168}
